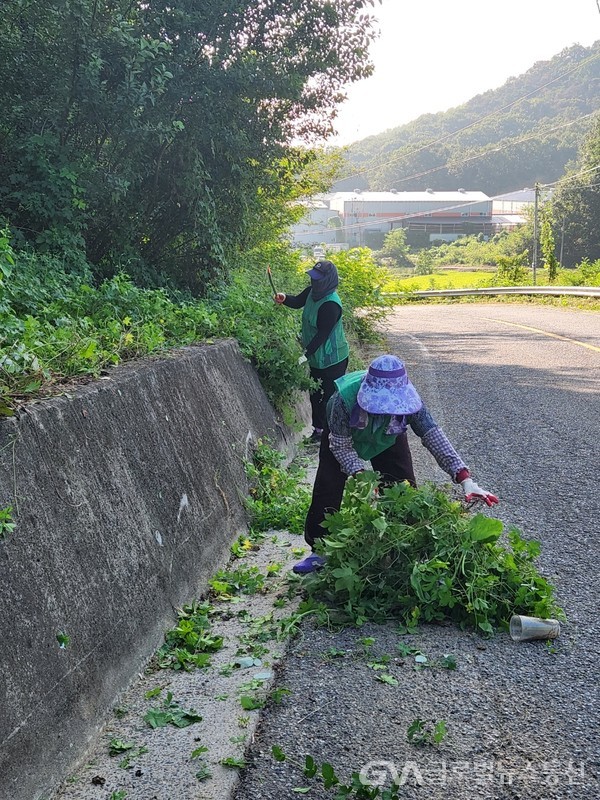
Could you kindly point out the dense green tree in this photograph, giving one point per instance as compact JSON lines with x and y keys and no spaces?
{"x":157,"y":136}
{"x":395,"y":248}
{"x":425,"y":262}
{"x":547,"y":243}
{"x":576,"y":204}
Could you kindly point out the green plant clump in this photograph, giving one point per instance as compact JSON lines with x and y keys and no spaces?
{"x":421,"y":732}
{"x":190,"y":643}
{"x":416,"y":555}
{"x":277,"y":498}
{"x":229,"y":583}
{"x":7,"y":526}
{"x":170,"y":713}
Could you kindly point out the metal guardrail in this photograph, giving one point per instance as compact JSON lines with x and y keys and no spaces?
{"x":573,"y":291}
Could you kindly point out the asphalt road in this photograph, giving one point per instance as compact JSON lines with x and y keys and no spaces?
{"x":516,"y":389}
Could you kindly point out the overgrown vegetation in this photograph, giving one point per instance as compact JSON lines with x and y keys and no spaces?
{"x":586,"y":274}
{"x":416,"y":555}
{"x":475,"y":251}
{"x":160,"y":139}
{"x":58,"y":323}
{"x":277,"y":497}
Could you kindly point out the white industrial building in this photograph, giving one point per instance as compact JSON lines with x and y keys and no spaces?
{"x":510,"y":210}
{"x":440,"y":215}
{"x":315,"y":227}
{"x":364,"y":218}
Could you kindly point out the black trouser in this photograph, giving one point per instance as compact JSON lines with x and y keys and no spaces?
{"x":320,"y":396}
{"x":394,"y":464}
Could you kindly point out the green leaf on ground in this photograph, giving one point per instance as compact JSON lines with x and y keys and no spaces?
{"x":251,"y":703}
{"x":171,"y":714}
{"x":278,"y":753}
{"x":234,"y":762}
{"x":389,"y":679}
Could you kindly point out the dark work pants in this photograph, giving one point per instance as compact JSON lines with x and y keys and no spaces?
{"x":320,"y":396}
{"x":394,"y":464}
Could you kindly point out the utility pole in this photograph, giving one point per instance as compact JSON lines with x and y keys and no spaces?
{"x":534,"y":261}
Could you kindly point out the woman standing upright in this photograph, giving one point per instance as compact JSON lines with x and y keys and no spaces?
{"x":323,"y":340}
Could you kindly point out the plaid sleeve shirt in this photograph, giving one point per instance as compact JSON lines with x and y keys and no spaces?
{"x":340,"y":437}
{"x":422,"y":424}
{"x":435,"y":440}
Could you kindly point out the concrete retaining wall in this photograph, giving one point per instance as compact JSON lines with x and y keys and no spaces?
{"x":126,"y":494}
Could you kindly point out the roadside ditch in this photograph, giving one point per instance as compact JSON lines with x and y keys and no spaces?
{"x":182,"y":728}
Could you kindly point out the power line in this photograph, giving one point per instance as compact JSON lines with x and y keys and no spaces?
{"x":415,"y":215}
{"x":570,"y":177}
{"x":581,"y":185}
{"x":418,"y":214}
{"x":475,"y":122}
{"x":511,"y":143}
{"x":585,"y":186}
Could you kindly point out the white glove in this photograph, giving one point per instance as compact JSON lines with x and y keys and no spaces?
{"x":279,"y":298}
{"x":303,"y":359}
{"x":474,"y":493}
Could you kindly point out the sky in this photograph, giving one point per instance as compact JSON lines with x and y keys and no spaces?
{"x":433,"y":55}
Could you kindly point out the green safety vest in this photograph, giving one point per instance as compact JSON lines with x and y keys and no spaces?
{"x":367,"y":442}
{"x":335,"y":348}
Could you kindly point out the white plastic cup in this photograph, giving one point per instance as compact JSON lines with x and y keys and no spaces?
{"x":523,"y":629}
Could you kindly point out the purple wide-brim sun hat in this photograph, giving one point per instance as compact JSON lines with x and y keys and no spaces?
{"x":385,"y":389}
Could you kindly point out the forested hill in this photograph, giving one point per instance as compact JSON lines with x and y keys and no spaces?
{"x":497,"y":142}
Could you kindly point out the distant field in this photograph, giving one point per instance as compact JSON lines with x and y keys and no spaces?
{"x":441,"y":280}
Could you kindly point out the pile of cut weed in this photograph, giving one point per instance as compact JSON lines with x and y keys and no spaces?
{"x":418,"y":556}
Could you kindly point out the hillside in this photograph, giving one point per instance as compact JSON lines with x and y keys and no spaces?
{"x":478,"y":144}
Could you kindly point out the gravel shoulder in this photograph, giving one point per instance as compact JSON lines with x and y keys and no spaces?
{"x":160,"y":763}
{"x":522,"y":720}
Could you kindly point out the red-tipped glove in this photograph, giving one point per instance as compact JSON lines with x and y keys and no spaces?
{"x":474,"y":493}
{"x":279,"y":298}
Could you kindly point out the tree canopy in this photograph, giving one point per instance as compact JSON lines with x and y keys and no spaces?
{"x":163,"y":137}
{"x":576,"y":204}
